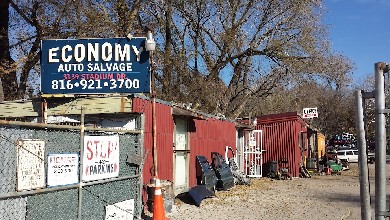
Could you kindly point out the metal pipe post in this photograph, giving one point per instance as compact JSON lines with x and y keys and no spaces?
{"x":363,"y":166}
{"x":155,"y":167}
{"x":154,"y":131}
{"x":141,"y":168}
{"x":81,"y":156}
{"x":380,"y":143}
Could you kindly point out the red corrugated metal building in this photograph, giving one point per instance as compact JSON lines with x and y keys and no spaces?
{"x":284,"y":136}
{"x":205,"y":134}
{"x":164,"y":140}
{"x":210,"y":135}
{"x":181,"y":133}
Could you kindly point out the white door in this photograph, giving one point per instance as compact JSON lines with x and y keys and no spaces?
{"x":253,"y":154}
{"x":181,"y":156}
{"x":240,"y":146}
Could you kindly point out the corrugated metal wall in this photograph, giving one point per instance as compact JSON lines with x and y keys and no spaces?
{"x":281,"y":139}
{"x":164,"y":140}
{"x":206,"y":136}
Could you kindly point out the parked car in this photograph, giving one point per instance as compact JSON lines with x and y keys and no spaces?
{"x":350,"y":155}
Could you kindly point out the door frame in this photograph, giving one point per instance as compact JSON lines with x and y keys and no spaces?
{"x":182,"y":188}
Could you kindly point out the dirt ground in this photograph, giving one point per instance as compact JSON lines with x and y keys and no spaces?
{"x":319,"y":197}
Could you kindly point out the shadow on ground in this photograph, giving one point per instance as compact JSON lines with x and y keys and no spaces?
{"x":185,"y":198}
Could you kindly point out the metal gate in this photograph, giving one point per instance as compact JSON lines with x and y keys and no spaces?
{"x":253,"y":153}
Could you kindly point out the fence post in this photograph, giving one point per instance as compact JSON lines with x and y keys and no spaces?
{"x":141,"y":168}
{"x":81,"y":157}
{"x":363,"y":167}
{"x":380,"y":142}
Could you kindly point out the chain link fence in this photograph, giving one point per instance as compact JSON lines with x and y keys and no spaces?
{"x":44,"y":169}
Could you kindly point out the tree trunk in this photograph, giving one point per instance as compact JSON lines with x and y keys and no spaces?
{"x":8,"y":86}
{"x":166,"y":83}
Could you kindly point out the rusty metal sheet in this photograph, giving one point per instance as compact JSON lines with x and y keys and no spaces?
{"x":66,"y":106}
{"x":92,"y":105}
{"x":17,"y":109}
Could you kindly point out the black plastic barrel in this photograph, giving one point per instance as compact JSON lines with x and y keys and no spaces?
{"x":272,"y":166}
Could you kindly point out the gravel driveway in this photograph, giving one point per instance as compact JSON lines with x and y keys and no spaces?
{"x":319,"y":197}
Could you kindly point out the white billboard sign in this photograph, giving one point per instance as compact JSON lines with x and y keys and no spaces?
{"x":120,"y":210}
{"x":30,"y":164}
{"x":62,"y":169}
{"x":101,"y":157}
{"x":310,"y":113}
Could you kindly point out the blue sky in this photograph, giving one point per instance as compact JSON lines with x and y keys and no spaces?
{"x":360,"y":30}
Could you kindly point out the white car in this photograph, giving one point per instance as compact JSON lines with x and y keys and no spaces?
{"x":349,"y":155}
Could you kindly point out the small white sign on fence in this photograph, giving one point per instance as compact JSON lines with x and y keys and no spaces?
{"x":62,"y":169}
{"x":30,"y":164}
{"x":310,"y":113}
{"x":120,"y":210}
{"x":101,"y":157}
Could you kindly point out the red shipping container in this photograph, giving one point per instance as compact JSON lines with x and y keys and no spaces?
{"x":284,"y":137}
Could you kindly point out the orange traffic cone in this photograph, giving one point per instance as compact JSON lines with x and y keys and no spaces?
{"x":158,"y":203}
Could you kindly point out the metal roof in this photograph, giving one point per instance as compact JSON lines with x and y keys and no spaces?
{"x":71,"y":105}
{"x":66,"y":106}
{"x":21,"y":108}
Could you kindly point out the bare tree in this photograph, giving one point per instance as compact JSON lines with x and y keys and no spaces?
{"x":33,"y":21}
{"x":7,"y":67}
{"x":220,"y":54}
{"x":330,"y":90}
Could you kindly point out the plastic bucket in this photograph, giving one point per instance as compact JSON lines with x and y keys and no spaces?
{"x":167,"y":194}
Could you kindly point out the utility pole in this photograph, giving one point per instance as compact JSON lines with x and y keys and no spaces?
{"x":151,"y":47}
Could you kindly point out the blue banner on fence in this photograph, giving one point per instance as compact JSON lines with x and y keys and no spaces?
{"x":95,"y":66}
